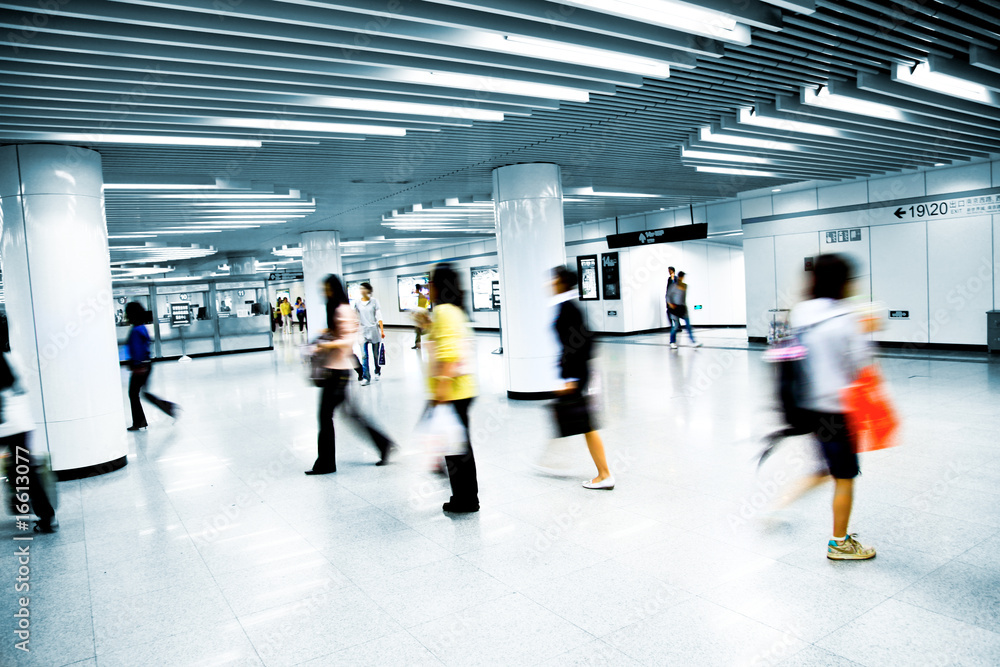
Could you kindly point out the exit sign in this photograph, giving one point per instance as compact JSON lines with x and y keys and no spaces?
{"x":697,"y":307}
{"x":899,"y":314}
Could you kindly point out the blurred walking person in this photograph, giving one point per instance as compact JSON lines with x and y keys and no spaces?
{"x":140,"y":363}
{"x":16,"y":430}
{"x":451,"y":380}
{"x":369,"y":314}
{"x":338,"y":343}
{"x":300,"y":313}
{"x":573,"y":408}
{"x":286,"y":315}
{"x":836,"y":352}
{"x":678,"y":310}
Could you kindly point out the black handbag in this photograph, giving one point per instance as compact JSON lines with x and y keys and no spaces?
{"x":572,"y":412}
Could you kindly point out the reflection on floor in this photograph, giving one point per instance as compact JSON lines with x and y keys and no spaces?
{"x":212,"y":548}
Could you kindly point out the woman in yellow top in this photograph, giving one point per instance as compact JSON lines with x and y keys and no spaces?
{"x":286,"y":315}
{"x":451,"y":380}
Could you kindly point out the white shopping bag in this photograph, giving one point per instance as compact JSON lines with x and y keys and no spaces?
{"x":441,"y":433}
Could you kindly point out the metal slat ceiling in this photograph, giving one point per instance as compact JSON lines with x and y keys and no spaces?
{"x":278,"y":73}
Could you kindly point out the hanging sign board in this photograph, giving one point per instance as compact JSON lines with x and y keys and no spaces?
{"x":495,"y":295}
{"x":653,"y":236}
{"x":181,"y":289}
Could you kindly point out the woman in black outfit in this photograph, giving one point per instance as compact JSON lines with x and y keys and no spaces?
{"x":338,"y":342}
{"x":573,"y":404}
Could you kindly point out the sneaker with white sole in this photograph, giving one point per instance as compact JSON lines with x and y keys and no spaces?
{"x":673,"y":346}
{"x":849,"y":549}
{"x":365,"y":382}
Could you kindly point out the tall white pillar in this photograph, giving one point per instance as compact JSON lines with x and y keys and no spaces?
{"x":242,"y":265}
{"x":531,"y":241}
{"x":57,"y":280}
{"x":320,"y":258}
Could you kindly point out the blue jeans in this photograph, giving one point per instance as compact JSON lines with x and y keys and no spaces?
{"x":675,"y":325}
{"x":364,"y":359}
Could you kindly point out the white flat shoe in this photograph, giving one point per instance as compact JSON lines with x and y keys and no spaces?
{"x":605,"y":484}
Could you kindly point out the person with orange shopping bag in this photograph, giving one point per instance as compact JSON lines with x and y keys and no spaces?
{"x":836,"y":356}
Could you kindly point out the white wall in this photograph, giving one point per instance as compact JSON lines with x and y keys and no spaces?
{"x":715,"y":276}
{"x":943,"y":270}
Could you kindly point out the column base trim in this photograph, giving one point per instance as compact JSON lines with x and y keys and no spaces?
{"x":91,"y":471}
{"x":531,"y":395}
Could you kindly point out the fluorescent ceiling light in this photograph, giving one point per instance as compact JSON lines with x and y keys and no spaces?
{"x":722,"y":157}
{"x":155,"y":140}
{"x":827,"y":100}
{"x":229,"y":195}
{"x":578,"y":55}
{"x":747,"y":117}
{"x":737,"y":172}
{"x":706,"y":134}
{"x":590,"y":192}
{"x":304,"y":126}
{"x":924,"y":77}
{"x":678,"y":15}
{"x":493,"y":84}
{"x":410,"y":108}
{"x":147,"y":186}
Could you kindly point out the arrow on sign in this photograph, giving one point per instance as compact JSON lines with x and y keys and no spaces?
{"x":899,"y":213}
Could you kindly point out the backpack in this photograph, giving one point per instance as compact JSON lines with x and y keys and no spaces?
{"x":788,"y":354}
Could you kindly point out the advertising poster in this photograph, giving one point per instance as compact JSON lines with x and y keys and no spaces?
{"x":482,"y":287}
{"x":354,"y":289}
{"x":587,"y":269}
{"x":406,"y":289}
{"x":609,"y":269}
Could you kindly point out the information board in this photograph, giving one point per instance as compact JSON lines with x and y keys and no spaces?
{"x":587,"y":269}
{"x":406,"y":289}
{"x":354,"y":289}
{"x":180,"y":314}
{"x":483,"y":278}
{"x":609,"y":275}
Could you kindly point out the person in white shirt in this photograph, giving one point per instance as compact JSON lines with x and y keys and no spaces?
{"x":837,"y":350}
{"x":372,"y":332}
{"x":16,"y":426}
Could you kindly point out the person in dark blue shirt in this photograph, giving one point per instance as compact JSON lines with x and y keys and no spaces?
{"x":139,"y":361}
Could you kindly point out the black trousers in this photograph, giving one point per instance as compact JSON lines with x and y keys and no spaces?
{"x":139,"y":379}
{"x":334,"y":394}
{"x":462,"y":468}
{"x":40,"y":503}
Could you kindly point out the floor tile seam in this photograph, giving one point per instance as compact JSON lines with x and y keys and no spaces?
{"x":225,"y":599}
{"x":783,"y":631}
{"x":938,"y":611}
{"x":90,"y":592}
{"x":499,"y":597}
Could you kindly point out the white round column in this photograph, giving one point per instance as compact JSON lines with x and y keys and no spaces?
{"x":57,"y":280}
{"x":531,"y":241}
{"x":320,"y":258}
{"x":242,"y":265}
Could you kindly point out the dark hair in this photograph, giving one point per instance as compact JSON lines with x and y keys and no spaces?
{"x":367,"y":286}
{"x":566,"y":277}
{"x":447,"y":286}
{"x":670,"y":268}
{"x":135,"y":313}
{"x":831,"y":273}
{"x":338,"y":296}
{"x":680,"y":275}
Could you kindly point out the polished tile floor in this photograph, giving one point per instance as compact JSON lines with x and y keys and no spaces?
{"x":212,"y":548}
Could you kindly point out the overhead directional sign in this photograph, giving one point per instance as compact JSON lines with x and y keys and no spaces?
{"x":850,"y":218}
{"x":652,"y":236}
{"x":952,"y":208}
